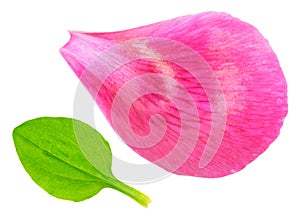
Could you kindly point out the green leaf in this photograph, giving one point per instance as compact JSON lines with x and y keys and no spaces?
{"x":68,"y":159}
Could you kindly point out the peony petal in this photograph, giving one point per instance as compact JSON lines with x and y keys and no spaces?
{"x":200,"y":95}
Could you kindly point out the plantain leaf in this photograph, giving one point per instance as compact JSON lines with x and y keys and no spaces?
{"x":68,"y":159}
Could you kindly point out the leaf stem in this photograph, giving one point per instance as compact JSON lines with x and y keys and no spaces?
{"x":136,"y":195}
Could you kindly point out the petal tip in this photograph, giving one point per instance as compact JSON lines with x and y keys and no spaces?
{"x":68,"y":52}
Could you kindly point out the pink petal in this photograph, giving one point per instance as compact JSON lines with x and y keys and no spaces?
{"x":212,"y":122}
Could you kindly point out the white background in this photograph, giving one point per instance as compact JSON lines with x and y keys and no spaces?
{"x":36,"y":81}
